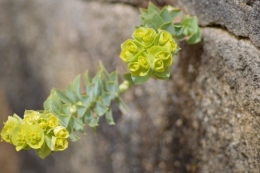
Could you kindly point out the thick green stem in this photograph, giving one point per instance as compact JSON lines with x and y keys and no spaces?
{"x":124,"y":86}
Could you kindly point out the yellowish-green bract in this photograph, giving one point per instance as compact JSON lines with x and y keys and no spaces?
{"x":37,"y":130}
{"x":149,"y":54}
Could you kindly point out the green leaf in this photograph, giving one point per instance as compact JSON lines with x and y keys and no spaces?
{"x":122,"y":106}
{"x":86,"y":101}
{"x":48,"y":139}
{"x":111,"y":87}
{"x":194,"y":38}
{"x":174,"y":12}
{"x":109,"y":117}
{"x":106,"y":98}
{"x":93,"y":122}
{"x":44,"y":151}
{"x":64,"y":119}
{"x":165,"y":15}
{"x":98,"y":88}
{"x":81,"y":110}
{"x":113,"y":77}
{"x":157,"y":20}
{"x":128,"y":77}
{"x":88,"y":116}
{"x":76,"y":86}
{"x":142,"y":79}
{"x":70,"y":93}
{"x":62,"y":96}
{"x":65,"y":109}
{"x":100,"y":108}
{"x":76,"y":124}
{"x":73,"y":136}
{"x":53,"y":103}
{"x":178,"y":31}
{"x":152,"y":8}
{"x":87,"y":79}
{"x":103,"y":70}
{"x":162,"y":75}
{"x":169,"y":27}
{"x":148,"y":23}
{"x":90,"y":91}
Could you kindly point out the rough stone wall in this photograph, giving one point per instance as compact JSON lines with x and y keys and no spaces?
{"x":204,"y":119}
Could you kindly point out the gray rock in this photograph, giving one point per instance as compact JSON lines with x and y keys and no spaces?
{"x":240,"y":17}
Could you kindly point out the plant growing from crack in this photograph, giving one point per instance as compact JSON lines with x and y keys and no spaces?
{"x":148,"y":54}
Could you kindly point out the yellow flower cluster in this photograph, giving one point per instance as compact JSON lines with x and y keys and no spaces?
{"x":149,"y":53}
{"x":37,"y":130}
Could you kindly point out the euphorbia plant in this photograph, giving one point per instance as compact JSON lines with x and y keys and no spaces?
{"x":148,"y":54}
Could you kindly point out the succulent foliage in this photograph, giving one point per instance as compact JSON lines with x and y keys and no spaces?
{"x":148,"y":54}
{"x":173,"y":20}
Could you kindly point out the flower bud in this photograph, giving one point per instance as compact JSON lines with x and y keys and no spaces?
{"x":35,"y":137}
{"x":52,"y":121}
{"x":134,"y":68}
{"x":9,"y":125}
{"x":30,"y":117}
{"x":164,"y":37}
{"x":60,"y":144}
{"x":149,"y":36}
{"x":139,"y":33}
{"x":42,"y":123}
{"x":19,"y":135}
{"x":130,"y":45}
{"x":158,"y":65}
{"x":61,"y":132}
{"x":165,"y":56}
{"x":126,"y":55}
{"x":143,"y":62}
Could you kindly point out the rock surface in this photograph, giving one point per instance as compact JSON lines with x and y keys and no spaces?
{"x":204,"y":119}
{"x":240,"y":17}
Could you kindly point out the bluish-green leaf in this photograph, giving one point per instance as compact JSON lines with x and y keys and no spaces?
{"x":62,"y":96}
{"x":98,"y":88}
{"x":76,"y":124}
{"x":100,"y":108}
{"x":81,"y":110}
{"x":122,"y":106}
{"x":109,"y":118}
{"x":70,"y":93}
{"x":65,"y":109}
{"x":86,"y":101}
{"x":162,"y":75}
{"x":128,"y":77}
{"x":142,"y":79}
{"x":152,"y":8}
{"x":106,"y":98}
{"x":64,"y":119}
{"x":111,"y":87}
{"x":44,"y":151}
{"x":113,"y":77}
{"x":157,"y":20}
{"x":94,"y":122}
{"x":194,"y":38}
{"x":48,"y":139}
{"x":73,"y":136}
{"x":76,"y":87}
{"x":169,"y":27}
{"x":165,"y":15}
{"x":87,"y":79}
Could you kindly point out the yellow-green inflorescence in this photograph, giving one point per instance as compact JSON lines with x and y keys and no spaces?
{"x":37,"y":130}
{"x":149,"y":54}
